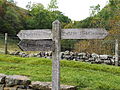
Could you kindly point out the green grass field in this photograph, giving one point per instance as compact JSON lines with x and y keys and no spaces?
{"x":83,"y":75}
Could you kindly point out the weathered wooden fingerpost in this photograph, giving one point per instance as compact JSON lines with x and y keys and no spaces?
{"x":38,"y":39}
{"x":56,"y":32}
{"x":116,"y":52}
{"x":6,"y":35}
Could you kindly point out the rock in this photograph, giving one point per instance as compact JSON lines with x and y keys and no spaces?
{"x":67,"y":52}
{"x":2,"y":78}
{"x":40,"y":85}
{"x":106,"y":57}
{"x":17,"y":80}
{"x":66,"y":87}
{"x":31,"y":55}
{"x":10,"y":88}
{"x":48,"y":86}
{"x":16,"y":53}
{"x":38,"y":56}
{"x":1,"y":86}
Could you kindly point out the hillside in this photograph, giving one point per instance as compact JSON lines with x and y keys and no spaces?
{"x":13,"y":18}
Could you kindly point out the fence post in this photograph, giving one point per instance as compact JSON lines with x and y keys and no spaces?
{"x":116,"y":52}
{"x":6,"y":36}
{"x":56,"y":32}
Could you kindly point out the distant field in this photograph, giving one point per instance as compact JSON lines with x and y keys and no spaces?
{"x":85,"y":76}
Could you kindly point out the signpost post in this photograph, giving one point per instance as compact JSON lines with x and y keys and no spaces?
{"x":56,"y":32}
{"x":37,"y":40}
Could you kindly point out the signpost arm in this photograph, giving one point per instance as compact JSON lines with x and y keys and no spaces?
{"x":56,"y":29}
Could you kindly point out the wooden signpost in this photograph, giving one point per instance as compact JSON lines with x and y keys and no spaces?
{"x":36,"y":40}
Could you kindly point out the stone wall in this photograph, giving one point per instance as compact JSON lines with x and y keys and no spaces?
{"x":67,"y":55}
{"x":17,"y":82}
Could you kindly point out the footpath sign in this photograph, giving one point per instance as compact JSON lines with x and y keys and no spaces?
{"x":86,"y":33}
{"x":45,"y":40}
{"x":35,"y":34}
{"x":36,"y":45}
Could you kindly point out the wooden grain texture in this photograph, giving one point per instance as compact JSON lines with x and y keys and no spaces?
{"x":85,"y":33}
{"x":56,"y":31}
{"x":35,"y":34}
{"x":36,"y":45}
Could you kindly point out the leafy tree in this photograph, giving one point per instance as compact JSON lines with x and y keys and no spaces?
{"x":36,"y":8}
{"x":52,"y":6}
{"x":28,"y":6}
{"x":94,"y":10}
{"x":43,"y":18}
{"x":13,"y":19}
{"x":12,"y":1}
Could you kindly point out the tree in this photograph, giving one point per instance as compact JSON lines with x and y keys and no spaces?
{"x":12,"y":1}
{"x":28,"y":6}
{"x":52,"y":6}
{"x":94,"y":10}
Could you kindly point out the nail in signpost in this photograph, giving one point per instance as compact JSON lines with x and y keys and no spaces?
{"x":47,"y":40}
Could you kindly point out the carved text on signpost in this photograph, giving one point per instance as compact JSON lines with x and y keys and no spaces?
{"x":35,"y":34}
{"x":36,"y":45}
{"x":92,"y":33}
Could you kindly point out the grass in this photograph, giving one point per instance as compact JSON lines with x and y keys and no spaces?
{"x":83,"y":75}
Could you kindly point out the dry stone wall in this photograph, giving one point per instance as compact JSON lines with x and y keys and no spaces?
{"x":17,"y":82}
